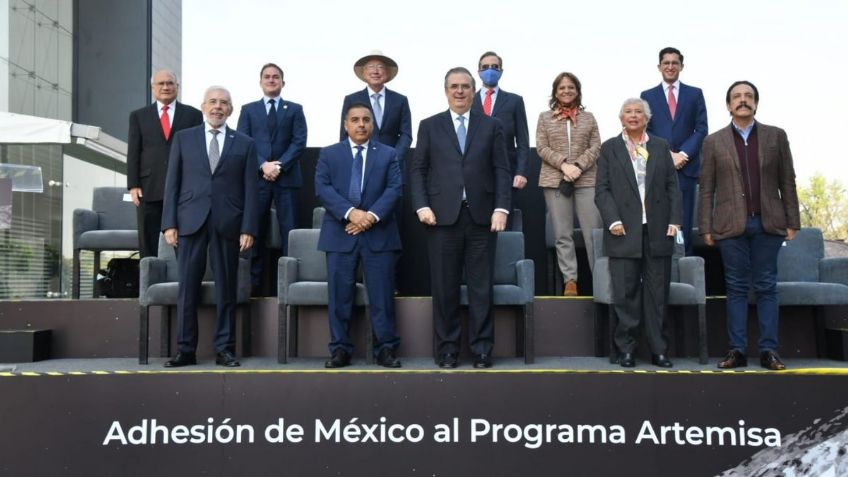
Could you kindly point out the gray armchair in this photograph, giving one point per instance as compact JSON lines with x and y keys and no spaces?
{"x":109,"y":225}
{"x":806,"y":278}
{"x":302,"y":281}
{"x":158,"y":286}
{"x":514,"y":284}
{"x":687,"y":289}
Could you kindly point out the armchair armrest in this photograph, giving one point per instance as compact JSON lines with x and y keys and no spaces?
{"x":526,"y":279}
{"x":692,"y":272}
{"x":286,"y":275}
{"x":84,"y":220}
{"x":834,"y":270}
{"x":152,"y":270}
{"x":602,"y":281}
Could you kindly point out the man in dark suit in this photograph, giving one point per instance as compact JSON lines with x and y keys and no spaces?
{"x":509,"y":108}
{"x":393,"y":124}
{"x":637,"y":194}
{"x":279,"y":129}
{"x":679,"y":117}
{"x":748,"y":206}
{"x":358,"y":182}
{"x":148,"y":143}
{"x":210,"y":203}
{"x":460,"y":182}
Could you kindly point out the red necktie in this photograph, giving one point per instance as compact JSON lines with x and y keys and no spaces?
{"x":166,"y":122}
{"x":487,"y":103}
{"x":672,"y":101}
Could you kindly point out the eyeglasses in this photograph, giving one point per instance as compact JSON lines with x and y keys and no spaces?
{"x":375,"y":67}
{"x":165,"y":84}
{"x":490,"y":67}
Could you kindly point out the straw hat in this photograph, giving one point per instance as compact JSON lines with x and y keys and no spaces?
{"x":391,"y":66}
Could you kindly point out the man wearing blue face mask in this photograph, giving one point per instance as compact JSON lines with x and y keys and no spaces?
{"x":509,"y":108}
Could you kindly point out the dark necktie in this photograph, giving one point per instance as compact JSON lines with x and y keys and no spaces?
{"x":355,"y":191}
{"x":272,"y":117}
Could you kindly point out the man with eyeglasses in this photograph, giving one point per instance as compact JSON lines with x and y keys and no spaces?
{"x":460,"y":182}
{"x":390,"y":109}
{"x":210,"y":208}
{"x":680,"y":117}
{"x":149,"y":140}
{"x":509,"y":108}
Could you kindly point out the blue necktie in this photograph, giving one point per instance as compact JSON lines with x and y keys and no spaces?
{"x":460,"y":134}
{"x":354,"y":193}
{"x":378,"y":110}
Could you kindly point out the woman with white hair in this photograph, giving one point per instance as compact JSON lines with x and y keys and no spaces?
{"x":637,"y":194}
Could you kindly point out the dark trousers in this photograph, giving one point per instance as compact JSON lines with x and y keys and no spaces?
{"x":191,"y":262}
{"x":379,"y":270}
{"x":149,"y":227}
{"x":452,"y":248}
{"x":286,"y":201}
{"x":640,"y":293}
{"x":751,"y":259}
{"x":688,"y":186}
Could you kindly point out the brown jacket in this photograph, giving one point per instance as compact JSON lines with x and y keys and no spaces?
{"x":552,"y":146}
{"x":721,"y":207}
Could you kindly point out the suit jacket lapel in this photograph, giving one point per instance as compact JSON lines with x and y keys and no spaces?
{"x":369,"y":163}
{"x":450,"y":131}
{"x":474,"y":119}
{"x":503,"y":97}
{"x":729,"y":147}
{"x":651,"y":166}
{"x":626,"y":165}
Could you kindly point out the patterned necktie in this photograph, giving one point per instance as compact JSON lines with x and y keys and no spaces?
{"x":672,"y":101}
{"x":272,"y":117}
{"x":355,"y":191}
{"x":378,"y":110}
{"x":166,"y":122}
{"x":487,"y":103}
{"x":461,"y":133}
{"x":214,"y":150}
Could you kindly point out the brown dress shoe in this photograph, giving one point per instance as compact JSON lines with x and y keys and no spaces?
{"x":771,"y":361}
{"x":734,"y":359}
{"x":570,"y":288}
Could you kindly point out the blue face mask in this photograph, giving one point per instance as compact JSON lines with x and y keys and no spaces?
{"x":490,"y":77}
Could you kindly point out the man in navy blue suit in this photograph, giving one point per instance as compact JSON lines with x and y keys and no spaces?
{"x":358,"y":182}
{"x":460,"y":182}
{"x":390,"y":110}
{"x":509,"y":108}
{"x":279,"y":129}
{"x":209,"y":203}
{"x":680,"y":117}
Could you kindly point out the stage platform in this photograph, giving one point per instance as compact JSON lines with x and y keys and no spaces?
{"x":92,"y":410}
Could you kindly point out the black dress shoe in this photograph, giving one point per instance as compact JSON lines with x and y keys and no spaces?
{"x":483,"y":361}
{"x":181,"y":359}
{"x":626,"y":360}
{"x":661,"y":360}
{"x":227,"y":359}
{"x":448,"y":361}
{"x":339,"y":359}
{"x":734,"y":359}
{"x":771,"y":361}
{"x":387,"y":359}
